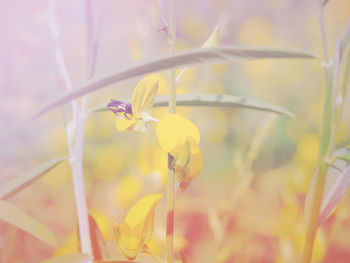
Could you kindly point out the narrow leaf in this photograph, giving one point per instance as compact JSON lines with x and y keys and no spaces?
{"x":211,"y":100}
{"x":342,"y":154}
{"x":346,"y":36}
{"x":346,"y":73}
{"x":212,"y":39}
{"x":19,"y":183}
{"x":20,"y":219}
{"x":337,"y":183}
{"x":71,"y":258}
{"x":194,"y":56}
{"x":209,"y":43}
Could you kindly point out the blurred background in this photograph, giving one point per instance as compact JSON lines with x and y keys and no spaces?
{"x":247,"y":204}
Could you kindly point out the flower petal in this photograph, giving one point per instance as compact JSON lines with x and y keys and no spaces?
{"x":132,"y":235}
{"x":173,"y":129}
{"x":143,"y":95}
{"x":195,"y":164}
{"x":128,"y":244}
{"x":182,"y":155}
{"x":163,"y":85}
{"x":142,"y":210}
{"x":124,"y":124}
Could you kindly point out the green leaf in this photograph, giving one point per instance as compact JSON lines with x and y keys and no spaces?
{"x":194,"y":56}
{"x":342,"y":154}
{"x":337,"y":182}
{"x":71,"y":258}
{"x":346,"y":36}
{"x":211,"y":100}
{"x":20,"y":219}
{"x":19,"y":183}
{"x":346,"y":73}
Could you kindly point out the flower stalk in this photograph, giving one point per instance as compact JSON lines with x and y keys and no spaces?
{"x":326,"y":145}
{"x":171,"y":171}
{"x":77,"y":162}
{"x":76,"y":127}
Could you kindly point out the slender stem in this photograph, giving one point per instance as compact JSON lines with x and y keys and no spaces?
{"x":170,"y":211}
{"x":91,"y":52}
{"x":79,"y":188}
{"x":171,"y":171}
{"x":75,"y":137}
{"x":324,"y":153}
{"x":77,"y":164}
{"x":81,"y":206}
{"x":344,"y":87}
{"x":323,"y":32}
{"x":172,"y":32}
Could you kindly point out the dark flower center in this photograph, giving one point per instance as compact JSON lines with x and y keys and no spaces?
{"x":119,"y":107}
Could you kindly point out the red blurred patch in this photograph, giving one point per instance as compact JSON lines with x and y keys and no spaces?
{"x":337,"y":254}
{"x":197,"y":230}
{"x":170,"y":223}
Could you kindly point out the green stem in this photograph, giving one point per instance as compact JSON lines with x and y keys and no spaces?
{"x":344,"y":89}
{"x":324,"y":154}
{"x":172,"y":32}
{"x":323,"y":32}
{"x":170,"y":211}
{"x":171,"y":171}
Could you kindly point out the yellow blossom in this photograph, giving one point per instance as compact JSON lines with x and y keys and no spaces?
{"x":180,"y":138}
{"x":135,"y":116}
{"x":133,"y":234}
{"x":128,"y":190}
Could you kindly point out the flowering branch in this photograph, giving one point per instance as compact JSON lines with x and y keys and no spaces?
{"x":75,"y":128}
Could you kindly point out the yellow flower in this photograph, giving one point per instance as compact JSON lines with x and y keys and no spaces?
{"x":135,"y":116}
{"x":128,"y":190}
{"x":71,"y":246}
{"x":180,"y":138}
{"x":133,"y":234}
